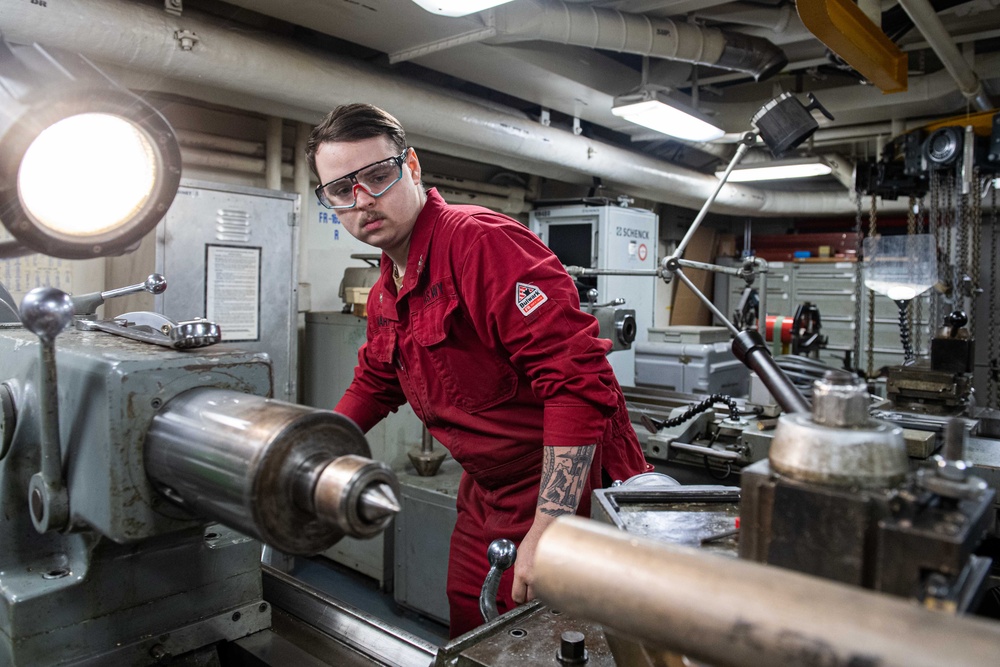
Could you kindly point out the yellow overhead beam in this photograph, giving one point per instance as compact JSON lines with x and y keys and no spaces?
{"x":846,"y":31}
{"x":982,"y":122}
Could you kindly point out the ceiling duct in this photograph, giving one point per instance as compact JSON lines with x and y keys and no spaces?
{"x":265,"y":72}
{"x":597,"y":28}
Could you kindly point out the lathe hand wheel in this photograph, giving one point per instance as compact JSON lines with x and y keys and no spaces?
{"x":501,"y":553}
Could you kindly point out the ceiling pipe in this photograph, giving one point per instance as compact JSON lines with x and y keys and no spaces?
{"x":933,"y":30}
{"x":267,"y":69}
{"x":593,"y":27}
{"x":207,"y":159}
{"x":195,"y":139}
{"x":272,"y":154}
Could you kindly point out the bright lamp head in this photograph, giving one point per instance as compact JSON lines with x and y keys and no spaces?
{"x":86,"y":167}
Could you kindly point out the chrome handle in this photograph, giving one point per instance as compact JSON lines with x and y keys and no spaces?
{"x":501,"y":553}
{"x":86,"y":304}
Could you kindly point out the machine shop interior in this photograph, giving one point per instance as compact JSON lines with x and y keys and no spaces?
{"x":812,"y":364}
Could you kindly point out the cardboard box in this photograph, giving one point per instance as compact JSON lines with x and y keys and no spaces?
{"x":356,"y":294}
{"x":688,"y":308}
{"x":358,"y":298}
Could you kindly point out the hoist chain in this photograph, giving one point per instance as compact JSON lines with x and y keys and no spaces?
{"x":911,"y":305}
{"x":951,"y":241}
{"x":962,"y":243}
{"x":993,"y":400}
{"x":934,"y":229}
{"x":975,"y":224}
{"x":918,"y":316}
{"x":872,"y":221}
{"x":858,"y":281}
{"x":947,"y":273}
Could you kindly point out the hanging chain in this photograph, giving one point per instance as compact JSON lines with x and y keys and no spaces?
{"x":872,"y":219}
{"x":918,"y":303}
{"x":947,"y":272}
{"x":962,"y":256}
{"x":911,"y":229}
{"x":904,"y":330}
{"x":934,"y":229}
{"x":993,"y":400}
{"x":858,"y":281}
{"x":975,"y":222}
{"x":960,"y":246}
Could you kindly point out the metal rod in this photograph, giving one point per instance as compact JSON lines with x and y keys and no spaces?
{"x":732,"y":270}
{"x":46,"y":311}
{"x":762,"y":299}
{"x":48,"y":404}
{"x":154,"y":284}
{"x":708,"y":304}
{"x":707,"y":451}
{"x":750,"y":348}
{"x":741,"y":150}
{"x":12,"y":249}
{"x":734,"y":613}
{"x":584,"y":271}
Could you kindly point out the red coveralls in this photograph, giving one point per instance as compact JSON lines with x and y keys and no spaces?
{"x":487,"y":342}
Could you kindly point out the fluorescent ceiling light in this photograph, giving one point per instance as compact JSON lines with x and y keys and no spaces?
{"x":659,"y":112}
{"x":458,"y":7}
{"x":778,"y":169}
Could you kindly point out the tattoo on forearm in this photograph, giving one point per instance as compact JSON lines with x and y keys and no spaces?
{"x":564,"y":474}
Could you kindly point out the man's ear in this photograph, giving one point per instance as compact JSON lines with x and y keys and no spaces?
{"x":414,"y":164}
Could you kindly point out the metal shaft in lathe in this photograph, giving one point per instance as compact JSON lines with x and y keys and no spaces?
{"x":294,"y":477}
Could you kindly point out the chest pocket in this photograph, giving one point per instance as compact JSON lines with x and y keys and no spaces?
{"x":473,"y":377}
{"x":382,"y":344}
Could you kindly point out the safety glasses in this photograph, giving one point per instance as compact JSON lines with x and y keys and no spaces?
{"x":375,"y":179}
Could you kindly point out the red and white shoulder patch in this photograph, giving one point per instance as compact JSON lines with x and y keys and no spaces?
{"x":529,"y":298}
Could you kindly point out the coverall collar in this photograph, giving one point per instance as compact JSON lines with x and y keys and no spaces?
{"x":420,"y":241}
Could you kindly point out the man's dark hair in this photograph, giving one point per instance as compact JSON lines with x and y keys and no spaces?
{"x":354,"y":122}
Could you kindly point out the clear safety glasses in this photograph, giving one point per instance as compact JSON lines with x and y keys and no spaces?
{"x":375,"y":179}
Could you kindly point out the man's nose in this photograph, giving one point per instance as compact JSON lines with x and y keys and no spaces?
{"x":368,"y":200}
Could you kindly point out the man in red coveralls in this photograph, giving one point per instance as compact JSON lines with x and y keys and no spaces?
{"x":477,"y":324}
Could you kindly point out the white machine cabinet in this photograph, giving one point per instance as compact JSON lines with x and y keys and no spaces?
{"x":230,"y":254}
{"x":608,"y":237}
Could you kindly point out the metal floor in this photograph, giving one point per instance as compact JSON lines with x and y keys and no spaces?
{"x":363,"y":593}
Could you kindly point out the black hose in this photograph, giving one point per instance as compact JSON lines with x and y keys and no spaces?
{"x":703,"y":406}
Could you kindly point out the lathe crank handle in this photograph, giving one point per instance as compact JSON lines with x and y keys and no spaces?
{"x":86,"y":304}
{"x":501,"y":553}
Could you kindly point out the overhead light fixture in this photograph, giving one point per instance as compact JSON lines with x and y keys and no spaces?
{"x":775,"y":170}
{"x":659,"y":112}
{"x":458,"y":7}
{"x":87,"y":168}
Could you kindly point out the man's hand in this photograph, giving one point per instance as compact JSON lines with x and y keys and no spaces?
{"x":525,"y":563}
{"x":565,"y":471}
